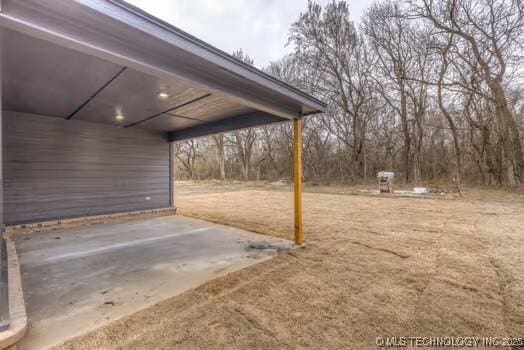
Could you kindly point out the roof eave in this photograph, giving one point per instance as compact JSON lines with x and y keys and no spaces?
{"x":77,"y":25}
{"x":314,"y":103}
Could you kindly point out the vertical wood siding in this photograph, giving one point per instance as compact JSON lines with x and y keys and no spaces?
{"x":60,"y":169}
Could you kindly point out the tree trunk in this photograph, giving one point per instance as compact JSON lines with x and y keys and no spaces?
{"x":514,"y":147}
{"x":245,"y":170}
{"x":219,"y":141}
{"x":454,"y":133}
{"x":222,"y":166}
{"x":221,"y":162}
{"x":405,"y":130}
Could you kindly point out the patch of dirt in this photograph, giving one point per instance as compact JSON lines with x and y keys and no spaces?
{"x":371,"y":267}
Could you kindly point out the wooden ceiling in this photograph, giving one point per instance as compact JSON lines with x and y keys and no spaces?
{"x":43,"y":78}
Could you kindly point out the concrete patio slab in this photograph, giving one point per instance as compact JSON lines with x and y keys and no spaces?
{"x":76,"y":280}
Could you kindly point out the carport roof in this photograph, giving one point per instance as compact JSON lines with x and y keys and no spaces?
{"x":94,"y":59}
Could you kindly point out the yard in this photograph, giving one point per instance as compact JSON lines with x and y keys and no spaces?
{"x":372,"y":266}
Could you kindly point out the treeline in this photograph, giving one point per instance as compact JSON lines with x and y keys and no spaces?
{"x":430,"y":89}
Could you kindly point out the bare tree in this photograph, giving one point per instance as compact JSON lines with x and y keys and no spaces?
{"x":219,"y":142}
{"x":243,"y":142}
{"x":492,"y":31}
{"x":187,"y":152}
{"x":429,"y":89}
{"x":402,"y":54}
{"x":327,"y":42}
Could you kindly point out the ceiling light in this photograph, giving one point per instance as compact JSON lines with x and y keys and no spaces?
{"x":163,"y":95}
{"x":119,"y":116}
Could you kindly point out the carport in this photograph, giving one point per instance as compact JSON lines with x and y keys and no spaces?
{"x":94,"y":95}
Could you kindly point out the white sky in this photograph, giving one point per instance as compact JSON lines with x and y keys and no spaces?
{"x":259,"y":27}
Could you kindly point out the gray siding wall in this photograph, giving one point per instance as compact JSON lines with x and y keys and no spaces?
{"x":55,"y":168}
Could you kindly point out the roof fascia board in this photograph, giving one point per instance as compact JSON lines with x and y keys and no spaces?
{"x":245,"y":121}
{"x":178,"y":37}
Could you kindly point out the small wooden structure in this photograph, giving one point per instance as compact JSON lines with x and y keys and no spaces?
{"x":385,"y":181}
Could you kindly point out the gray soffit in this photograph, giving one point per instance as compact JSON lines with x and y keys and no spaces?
{"x":39,"y":77}
{"x":115,"y":35}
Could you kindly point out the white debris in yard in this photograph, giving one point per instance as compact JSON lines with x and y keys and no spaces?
{"x":420,"y":190}
{"x":405,"y":193}
{"x":280,"y":183}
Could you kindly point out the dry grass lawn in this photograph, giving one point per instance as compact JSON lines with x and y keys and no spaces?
{"x":371,"y":267}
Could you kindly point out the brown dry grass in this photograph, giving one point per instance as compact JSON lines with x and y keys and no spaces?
{"x":371,"y":267}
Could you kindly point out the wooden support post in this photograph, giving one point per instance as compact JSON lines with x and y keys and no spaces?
{"x":297,"y":174}
{"x":172,"y":168}
{"x":4,"y":297}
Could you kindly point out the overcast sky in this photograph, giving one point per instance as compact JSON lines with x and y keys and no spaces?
{"x":259,"y":27}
